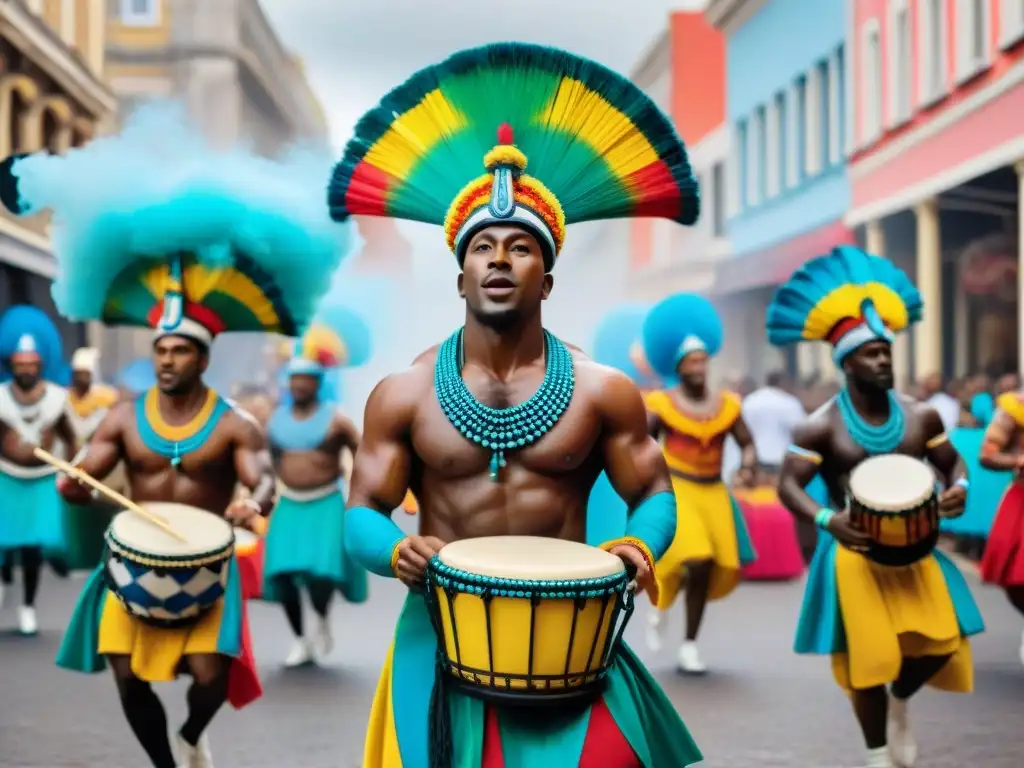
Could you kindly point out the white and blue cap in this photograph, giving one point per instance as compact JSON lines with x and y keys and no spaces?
{"x":679,"y":326}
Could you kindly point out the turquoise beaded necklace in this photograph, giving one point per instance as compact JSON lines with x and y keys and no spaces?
{"x":503,"y":429}
{"x":883,"y":438}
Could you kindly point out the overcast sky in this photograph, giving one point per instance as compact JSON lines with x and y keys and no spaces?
{"x":357,"y":50}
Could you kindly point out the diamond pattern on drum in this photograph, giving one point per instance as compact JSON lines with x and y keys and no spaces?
{"x":167,"y":593}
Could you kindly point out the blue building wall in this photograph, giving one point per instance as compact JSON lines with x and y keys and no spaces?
{"x":782,"y":43}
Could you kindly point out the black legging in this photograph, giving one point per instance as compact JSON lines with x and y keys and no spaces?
{"x":31,"y":560}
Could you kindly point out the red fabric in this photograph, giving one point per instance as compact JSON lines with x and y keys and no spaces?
{"x":250,"y":565}
{"x":1003,"y":563}
{"x":773,"y":533}
{"x":243,"y":681}
{"x":604,"y":746}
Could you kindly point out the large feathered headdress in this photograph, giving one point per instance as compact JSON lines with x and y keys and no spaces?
{"x":154,"y":227}
{"x":677,"y":326}
{"x":28,"y":333}
{"x":519,"y":134}
{"x":616,"y":339}
{"x":846,"y":298}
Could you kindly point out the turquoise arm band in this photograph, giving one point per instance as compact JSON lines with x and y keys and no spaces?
{"x":823,"y":517}
{"x":371,"y":538}
{"x":654,"y":522}
{"x":964,"y":483}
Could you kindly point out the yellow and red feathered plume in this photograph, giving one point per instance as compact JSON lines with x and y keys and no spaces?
{"x":596,"y":147}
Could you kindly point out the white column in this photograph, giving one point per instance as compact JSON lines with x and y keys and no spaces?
{"x":1019,"y":167}
{"x":928,"y":333}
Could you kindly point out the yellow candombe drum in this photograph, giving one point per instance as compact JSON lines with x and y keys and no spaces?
{"x":528,"y":620}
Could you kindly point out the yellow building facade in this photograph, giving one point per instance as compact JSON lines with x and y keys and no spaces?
{"x":52,"y":98}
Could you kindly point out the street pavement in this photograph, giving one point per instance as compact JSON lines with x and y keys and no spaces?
{"x":761,"y":705}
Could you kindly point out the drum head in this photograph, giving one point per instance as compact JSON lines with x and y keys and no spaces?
{"x":530,"y":558}
{"x":892,"y":483}
{"x":203,"y":531}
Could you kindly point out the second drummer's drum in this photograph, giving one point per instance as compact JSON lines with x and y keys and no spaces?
{"x":161,"y":580}
{"x":528,"y":620}
{"x":894,"y":500}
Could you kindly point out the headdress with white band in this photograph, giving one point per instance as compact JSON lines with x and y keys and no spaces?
{"x":679,"y":326}
{"x":28,"y":334}
{"x":846,"y":298}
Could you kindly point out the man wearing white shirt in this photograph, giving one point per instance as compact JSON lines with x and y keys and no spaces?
{"x":771,"y":413}
{"x":947,"y":406}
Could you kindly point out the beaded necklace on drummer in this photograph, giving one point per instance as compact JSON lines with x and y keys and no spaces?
{"x":875,"y":439}
{"x":196,"y":431}
{"x":503,"y":429}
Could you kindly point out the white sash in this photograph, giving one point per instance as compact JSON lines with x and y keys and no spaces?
{"x":30,"y":421}
{"x":307,"y":494}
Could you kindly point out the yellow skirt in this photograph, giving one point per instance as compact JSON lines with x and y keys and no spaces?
{"x":705,"y":530}
{"x":156,"y":653}
{"x":381,"y":747}
{"x":891,"y":613}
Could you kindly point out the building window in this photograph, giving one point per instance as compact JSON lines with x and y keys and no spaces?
{"x":871,"y":90}
{"x":740,"y":152}
{"x":1011,"y":22}
{"x":761,"y":122}
{"x":824,"y":114}
{"x":140,"y":13}
{"x":812,"y":123}
{"x":782,"y":140}
{"x":931,"y":50}
{"x":801,"y":129}
{"x":771,"y":144}
{"x":793,"y":122}
{"x":973,"y":23}
{"x":901,"y":71}
{"x":718,"y":199}
{"x":836,"y":96}
{"x":755,"y":132}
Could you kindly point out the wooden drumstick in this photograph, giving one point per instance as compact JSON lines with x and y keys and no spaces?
{"x":110,"y":493}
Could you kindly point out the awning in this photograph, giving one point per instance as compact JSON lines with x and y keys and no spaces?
{"x":773,"y":265}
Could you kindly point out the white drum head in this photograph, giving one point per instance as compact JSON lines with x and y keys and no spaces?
{"x":530,"y":558}
{"x":892,"y":483}
{"x":203,"y":531}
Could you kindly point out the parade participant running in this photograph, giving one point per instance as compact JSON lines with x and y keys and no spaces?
{"x":503,"y":429}
{"x":157,"y":229}
{"x":680,"y":334}
{"x":32,"y":414}
{"x":305,"y":544}
{"x":889,"y":628}
{"x":88,"y":401}
{"x":1003,"y":449}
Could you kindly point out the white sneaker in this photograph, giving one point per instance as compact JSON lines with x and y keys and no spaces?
{"x":27,"y":623}
{"x":655,"y":630}
{"x":323,"y":641}
{"x":300,"y":655}
{"x":195,"y":757}
{"x":689,"y":659}
{"x":879,"y":758}
{"x":902,"y":746}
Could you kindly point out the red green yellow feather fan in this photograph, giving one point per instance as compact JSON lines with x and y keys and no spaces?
{"x":515,"y":133}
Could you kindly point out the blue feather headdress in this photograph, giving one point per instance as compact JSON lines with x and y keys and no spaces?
{"x":616,"y":336}
{"x":677,"y":326}
{"x":846,"y":298}
{"x":153,"y":227}
{"x":28,"y":331}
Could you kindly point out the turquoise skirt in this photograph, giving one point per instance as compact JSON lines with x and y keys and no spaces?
{"x":31,"y":514}
{"x":306,"y":543}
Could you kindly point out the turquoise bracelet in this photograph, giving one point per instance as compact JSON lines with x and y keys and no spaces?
{"x":964,"y":483}
{"x":823,"y":517}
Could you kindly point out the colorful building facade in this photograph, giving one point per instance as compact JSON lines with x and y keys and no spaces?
{"x":786,"y":85}
{"x":937,"y":170}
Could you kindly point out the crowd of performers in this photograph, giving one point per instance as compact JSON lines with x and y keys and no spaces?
{"x":552,"y":489}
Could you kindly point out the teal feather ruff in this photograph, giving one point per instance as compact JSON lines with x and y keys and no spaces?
{"x":158,"y":189}
{"x":21,"y":320}
{"x":671,"y":322}
{"x":830,"y":289}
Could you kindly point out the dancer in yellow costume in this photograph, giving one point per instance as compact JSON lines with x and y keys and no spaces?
{"x":889,"y":629}
{"x":711,"y":545}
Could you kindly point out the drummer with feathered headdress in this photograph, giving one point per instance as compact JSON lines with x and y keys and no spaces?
{"x":309,"y":439}
{"x":681,"y":334}
{"x":32,"y":414}
{"x":893,"y":616}
{"x":503,"y":147}
{"x":156,"y":229}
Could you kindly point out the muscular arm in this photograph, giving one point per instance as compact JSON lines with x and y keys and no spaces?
{"x":252,"y":462}
{"x":633,"y":459}
{"x":380,"y":475}
{"x":939,"y":450}
{"x":999,"y":437}
{"x":66,"y":434}
{"x":348,"y":442}
{"x":741,"y":433}
{"x":801,"y":464}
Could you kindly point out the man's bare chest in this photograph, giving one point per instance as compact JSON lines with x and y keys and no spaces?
{"x":443,"y":449}
{"x":210,"y":458}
